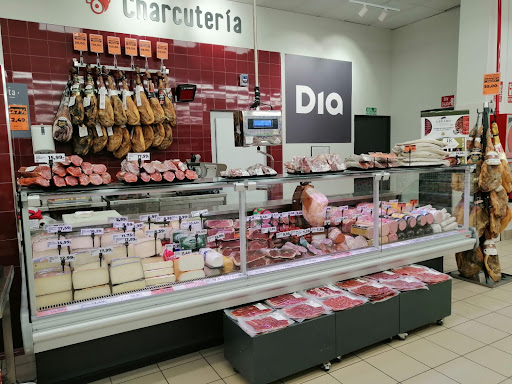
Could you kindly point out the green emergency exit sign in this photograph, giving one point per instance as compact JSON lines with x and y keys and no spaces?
{"x":371,"y":111}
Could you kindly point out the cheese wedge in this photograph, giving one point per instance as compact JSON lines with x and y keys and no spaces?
{"x":157,"y":262}
{"x":191,"y":262}
{"x":83,"y":257}
{"x":159,"y":280}
{"x":209,"y":272}
{"x":92,"y":265}
{"x":52,"y":280}
{"x":147,"y":247}
{"x":91,"y":293}
{"x":91,"y":277}
{"x":54,"y":299}
{"x":124,"y":273}
{"x":128,"y":287}
{"x":84,"y":242}
{"x":119,"y":252}
{"x":191,"y":275}
{"x":158,"y":272}
{"x":49,"y":252}
{"x":45,"y":264}
{"x":39,"y":243}
{"x":125,"y":260}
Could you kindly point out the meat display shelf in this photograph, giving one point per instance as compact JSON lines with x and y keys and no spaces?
{"x":66,"y":324}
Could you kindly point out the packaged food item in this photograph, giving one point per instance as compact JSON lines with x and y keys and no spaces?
{"x":324,"y":292}
{"x":248,"y":311}
{"x":374,"y":291}
{"x":265,"y":324}
{"x":286,"y":300}
{"x":404,"y":283}
{"x":385,"y":275}
{"x":344,"y":301}
{"x":305,"y":311}
{"x":347,"y":284}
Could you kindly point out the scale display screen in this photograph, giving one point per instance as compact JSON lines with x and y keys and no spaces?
{"x":262,"y":124}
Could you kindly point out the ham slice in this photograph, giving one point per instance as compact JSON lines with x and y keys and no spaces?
{"x":84,"y":180}
{"x":336,"y":236}
{"x":161,"y":167}
{"x":76,"y":160}
{"x":169,"y":176}
{"x":74,"y":171}
{"x":107,"y":179}
{"x":59,"y":170}
{"x":156,"y":176}
{"x":190,"y":175}
{"x":96,"y":179}
{"x":180,"y":175}
{"x":59,"y":181}
{"x":169,"y":164}
{"x":99,"y":168}
{"x":41,"y":170}
{"x":149,"y":168}
{"x":87,"y":168}
{"x":145,"y":177}
{"x":314,"y":205}
{"x":71,"y":181}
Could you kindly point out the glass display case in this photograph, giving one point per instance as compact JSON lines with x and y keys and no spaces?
{"x":122,"y":249}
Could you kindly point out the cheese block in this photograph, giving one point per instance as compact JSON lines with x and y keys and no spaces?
{"x":54,"y":299}
{"x":126,"y":272}
{"x":209,"y":272}
{"x":159,"y":280}
{"x":85,"y":257}
{"x":190,"y":262}
{"x":128,"y":287}
{"x":92,"y":277}
{"x":39,"y":243}
{"x":52,"y":280}
{"x":92,"y":265}
{"x":125,"y":260}
{"x":107,"y":239}
{"x":191,"y":275}
{"x":229,"y":265}
{"x":49,"y":252}
{"x":119,"y":252}
{"x":158,"y":272}
{"x":44,"y":263}
{"x":84,"y":242}
{"x":91,"y":293}
{"x":212,"y":259}
{"x":157,"y":262}
{"x":147,"y":247}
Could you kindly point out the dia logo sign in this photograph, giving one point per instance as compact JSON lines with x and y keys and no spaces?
{"x":318,"y":100}
{"x":99,"y":6}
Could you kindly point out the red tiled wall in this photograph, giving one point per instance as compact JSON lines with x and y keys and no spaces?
{"x":40,"y":56}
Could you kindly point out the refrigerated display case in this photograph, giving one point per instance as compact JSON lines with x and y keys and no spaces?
{"x":93,"y":272}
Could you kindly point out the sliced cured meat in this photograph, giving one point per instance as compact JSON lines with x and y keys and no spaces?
{"x":282,"y":253}
{"x":258,"y":263}
{"x":76,"y":160}
{"x":169,"y":176}
{"x":96,"y":179}
{"x":130,"y":166}
{"x":161,"y":167}
{"x":315,"y":251}
{"x":99,"y":168}
{"x":250,"y":311}
{"x":180,"y":175}
{"x":351,"y":283}
{"x":343,"y":302}
{"x":87,"y":168}
{"x":374,"y":291}
{"x":304,"y":311}
{"x":432,"y":277}
{"x":71,"y":181}
{"x":297,"y":248}
{"x":40,"y":170}
{"x":181,"y":166}
{"x":145,"y":177}
{"x":59,"y":181}
{"x":59,"y":170}
{"x":219,"y":223}
{"x":130,"y":177}
{"x":386,"y":275}
{"x":258,"y":244}
{"x":120,"y":175}
{"x":156,"y":176}
{"x":256,"y":234}
{"x":286,"y":300}
{"x":149,"y":168}
{"x":190,"y":175}
{"x":411,"y":270}
{"x":404,"y":284}
{"x":107,"y":179}
{"x":64,"y":163}
{"x":74,"y":171}
{"x":267,"y":324}
{"x":324,"y":292}
{"x":84,"y":180}
{"x":169,"y":164}
{"x":41,"y":181}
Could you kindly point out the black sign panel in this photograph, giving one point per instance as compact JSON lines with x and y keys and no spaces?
{"x":318,"y":100}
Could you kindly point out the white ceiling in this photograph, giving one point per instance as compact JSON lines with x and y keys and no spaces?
{"x":410,"y":10}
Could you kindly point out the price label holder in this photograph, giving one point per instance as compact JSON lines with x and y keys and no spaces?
{"x":149,"y":218}
{"x":18,"y":117}
{"x":58,"y":244}
{"x":96,"y":44}
{"x":117,"y":219}
{"x":130,"y":49}
{"x":124,"y":225}
{"x":162,"y":53}
{"x":63,"y":259}
{"x":47,"y":158}
{"x":269,"y":230}
{"x":216,"y":238}
{"x":100,"y":252}
{"x":182,"y":253}
{"x":114,"y":47}
{"x":145,"y":50}
{"x":61,"y":228}
{"x":80,"y":44}
{"x":191,"y":225}
{"x":139,"y":157}
{"x":317,"y":230}
{"x":154,"y":232}
{"x":199,"y":213}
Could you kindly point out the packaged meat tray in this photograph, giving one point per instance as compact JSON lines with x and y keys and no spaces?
{"x":431,"y":277}
{"x":411,"y":269}
{"x":305,"y":311}
{"x":347,"y":284}
{"x":324,"y":292}
{"x":344,"y":301}
{"x":265,"y":324}
{"x":374,"y":291}
{"x":286,"y":300}
{"x":404,"y":283}
{"x":248,"y":311}
{"x":386,"y":275}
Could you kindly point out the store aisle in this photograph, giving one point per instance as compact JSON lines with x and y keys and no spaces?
{"x":473,"y":346}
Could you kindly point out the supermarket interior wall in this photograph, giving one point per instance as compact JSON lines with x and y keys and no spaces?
{"x":424,"y":68}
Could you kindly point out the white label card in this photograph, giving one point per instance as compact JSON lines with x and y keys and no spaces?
{"x":72,"y":101}
{"x":52,"y":244}
{"x":110,"y":131}
{"x":149,"y":217}
{"x":90,"y":231}
{"x":124,"y":224}
{"x":218,"y":236}
{"x":138,"y":226}
{"x":163,"y":219}
{"x":266,"y":217}
{"x":58,"y":259}
{"x":170,"y":246}
{"x":190,"y":224}
{"x":125,"y":240}
{"x":296,"y":295}
{"x":144,"y":156}
{"x":117,"y":219}
{"x":103,"y":92}
{"x":59,"y":228}
{"x":260,"y":306}
{"x":83,"y":131}
{"x":199,"y":213}
{"x":277,"y":316}
{"x":393,"y":201}
{"x":317,"y":230}
{"x":327,"y":222}
{"x":123,"y":236}
{"x":102,"y":251}
{"x":182,"y":253}
{"x":87,"y":101}
{"x":34,"y":224}
{"x":153,"y":232}
{"x":269,"y":230}
{"x":295,"y":213}
{"x":313,"y":304}
{"x":201,"y":232}
{"x":280,"y":235}
{"x":99,"y":131}
{"x":45,"y":158}
{"x":138,"y":99}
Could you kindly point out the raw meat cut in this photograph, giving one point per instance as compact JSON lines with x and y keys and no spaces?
{"x":96,"y":179}
{"x":314,"y":206}
{"x":250,"y":311}
{"x":76,"y":160}
{"x":157,"y":176}
{"x":71,"y":181}
{"x":342,"y":302}
{"x":74,"y":171}
{"x":87,"y":168}
{"x":169,"y":176}
{"x":252,"y":256}
{"x":282,"y":253}
{"x":99,"y":168}
{"x":218,"y":223}
{"x":59,"y":170}
{"x":324,"y":292}
{"x":404,"y":284}
{"x":181,"y":166}
{"x":297,"y":248}
{"x":432,"y":277}
{"x":351,"y":283}
{"x":286,"y":300}
{"x":145,"y":177}
{"x":160,"y":167}
{"x":303,"y":311}
{"x":59,"y":181}
{"x":41,"y":170}
{"x":130,"y":166}
{"x":180,"y":175}
{"x":411,"y":270}
{"x":149,"y":168}
{"x":170,"y":165}
{"x":267,"y":324}
{"x":84,"y":180}
{"x":107,"y":179}
{"x":258,"y":244}
{"x":256,"y":234}
{"x":190,"y":175}
{"x":386,"y":275}
{"x":374,"y":291}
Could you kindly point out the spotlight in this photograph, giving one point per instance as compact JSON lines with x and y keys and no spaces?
{"x":383,"y":15}
{"x":363,"y":11}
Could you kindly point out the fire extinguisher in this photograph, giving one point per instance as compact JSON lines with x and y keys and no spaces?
{"x":99,"y":6}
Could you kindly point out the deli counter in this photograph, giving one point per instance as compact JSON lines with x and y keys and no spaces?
{"x":94,"y":271}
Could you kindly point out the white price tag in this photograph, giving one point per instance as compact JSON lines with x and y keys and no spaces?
{"x":269,"y":230}
{"x":266,"y":217}
{"x":138,"y":99}
{"x":110,"y":131}
{"x":190,"y":224}
{"x":72,"y":101}
{"x":45,"y":158}
{"x":59,"y":228}
{"x":327,"y":222}
{"x":296,"y":295}
{"x":123,"y":236}
{"x":388,"y":273}
{"x":149,"y":217}
{"x":306,"y":231}
{"x":284,"y":214}
{"x":171,"y":246}
{"x":280,"y":235}
{"x":343,"y":207}
{"x":99,"y":131}
{"x":83,"y":131}
{"x":315,"y":305}
{"x":201,"y":232}
{"x":199,"y":213}
{"x":260,"y":306}
{"x":103,"y":94}
{"x":165,"y":219}
{"x":87,"y":101}
{"x":124,"y":225}
{"x":138,"y":226}
{"x":181,"y":217}
{"x":125,"y":95}
{"x":52,"y":244}
{"x":296,"y":213}
{"x":249,"y":218}
{"x":361,"y":281}
{"x":318,"y":230}
{"x":153,"y":232}
{"x":276,"y":215}
{"x":126,"y":240}
{"x":218,"y":236}
{"x":143,"y":156}
{"x":277,"y":316}
{"x":34,"y":224}
{"x":102,"y":251}
{"x":182,"y":253}
{"x":90,"y":231}
{"x":58,"y":259}
{"x":393,"y":201}
{"x":117,"y":219}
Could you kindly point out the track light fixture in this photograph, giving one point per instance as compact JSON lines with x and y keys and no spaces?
{"x":363,"y":11}
{"x":365,"y":5}
{"x":383,"y":15}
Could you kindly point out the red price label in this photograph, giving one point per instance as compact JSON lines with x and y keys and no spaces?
{"x":96,"y":43}
{"x":162,"y":51}
{"x":130,"y":47}
{"x":145,"y":48}
{"x":80,"y":41}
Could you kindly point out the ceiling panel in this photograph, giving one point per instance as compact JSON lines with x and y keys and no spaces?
{"x":409,"y":16}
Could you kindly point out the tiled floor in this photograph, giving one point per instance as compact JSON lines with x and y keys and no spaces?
{"x":473,"y":346}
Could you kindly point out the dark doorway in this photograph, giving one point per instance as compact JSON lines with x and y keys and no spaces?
{"x":372,"y":134}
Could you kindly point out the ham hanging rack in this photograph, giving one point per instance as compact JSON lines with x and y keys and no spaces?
{"x":163,"y":69}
